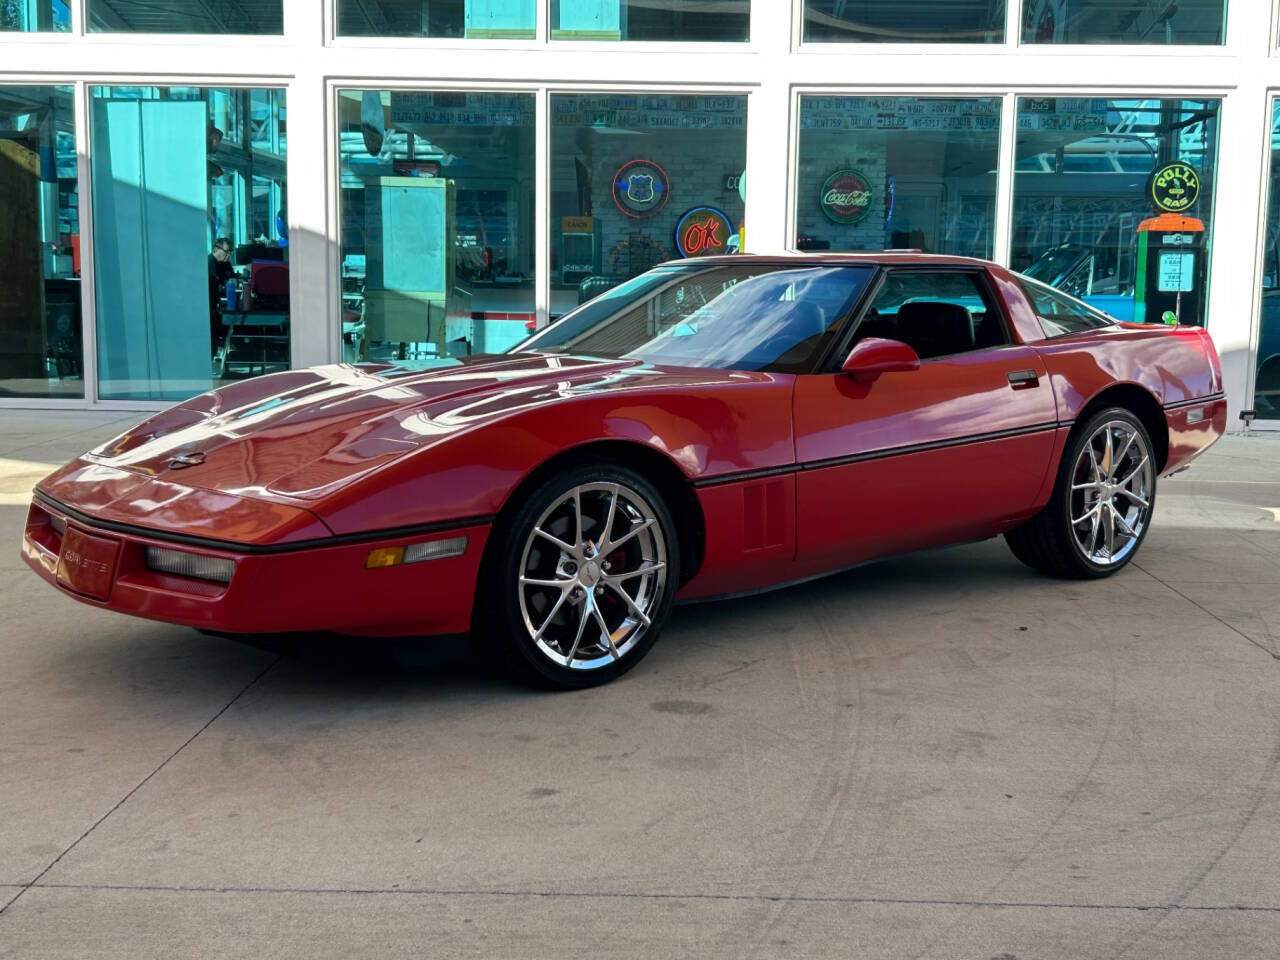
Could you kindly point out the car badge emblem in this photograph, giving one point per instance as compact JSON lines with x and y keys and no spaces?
{"x":184,"y":460}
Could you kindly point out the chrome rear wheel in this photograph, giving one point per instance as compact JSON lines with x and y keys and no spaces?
{"x":1111,"y":492}
{"x":1102,"y":501}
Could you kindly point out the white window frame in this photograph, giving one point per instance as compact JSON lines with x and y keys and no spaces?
{"x":1004,"y":153}
{"x":310,"y":62}
{"x":1254,"y":337}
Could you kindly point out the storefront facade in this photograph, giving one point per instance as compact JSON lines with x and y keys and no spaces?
{"x":194,"y":192}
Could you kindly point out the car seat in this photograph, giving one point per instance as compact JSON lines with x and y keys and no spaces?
{"x":935,"y":329}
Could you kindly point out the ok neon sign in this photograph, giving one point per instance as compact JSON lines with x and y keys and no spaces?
{"x":702,"y":231}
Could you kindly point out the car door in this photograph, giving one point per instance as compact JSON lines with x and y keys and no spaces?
{"x":955,"y":450}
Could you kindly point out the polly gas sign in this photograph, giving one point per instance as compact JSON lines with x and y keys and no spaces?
{"x":703,"y":232}
{"x":1175,"y":187}
{"x":845,"y":197}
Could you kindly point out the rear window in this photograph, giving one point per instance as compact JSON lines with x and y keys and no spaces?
{"x":1059,"y":313}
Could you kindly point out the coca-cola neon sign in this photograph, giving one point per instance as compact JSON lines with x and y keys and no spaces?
{"x":846,"y":196}
{"x":703,"y":232}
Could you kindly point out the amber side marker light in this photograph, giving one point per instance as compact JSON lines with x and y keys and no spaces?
{"x":415,"y":552}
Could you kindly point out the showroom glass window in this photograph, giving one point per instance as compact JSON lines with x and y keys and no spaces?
{"x":1266,"y":394}
{"x":1089,"y":216}
{"x":35,"y":15}
{"x":1124,"y":21}
{"x":879,"y":172}
{"x":437,"y":223}
{"x":191,"y":242}
{"x":637,"y":179}
{"x":725,"y":21}
{"x":185,"y":16}
{"x":41,"y":352}
{"x":904,"y":21}
{"x":461,"y":19}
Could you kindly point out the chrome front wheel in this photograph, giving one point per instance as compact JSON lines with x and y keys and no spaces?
{"x":1111,"y":491}
{"x":591,"y":574}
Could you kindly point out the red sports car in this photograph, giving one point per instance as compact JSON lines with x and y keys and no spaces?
{"x":711,"y":427}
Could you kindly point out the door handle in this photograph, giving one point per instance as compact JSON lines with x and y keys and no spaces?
{"x":1022,"y":379}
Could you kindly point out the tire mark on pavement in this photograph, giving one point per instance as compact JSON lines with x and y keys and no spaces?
{"x":1261,"y":646}
{"x":1197,"y":876}
{"x":1201,"y":873}
{"x":1072,"y":796}
{"x":825,"y":799}
{"x":140,"y":784}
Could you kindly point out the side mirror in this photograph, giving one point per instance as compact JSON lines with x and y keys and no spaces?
{"x":873,"y":356}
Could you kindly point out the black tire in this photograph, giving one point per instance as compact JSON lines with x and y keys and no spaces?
{"x":506,"y":634}
{"x":1046,"y":542}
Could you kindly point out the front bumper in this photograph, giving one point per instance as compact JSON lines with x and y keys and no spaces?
{"x":283,"y":588}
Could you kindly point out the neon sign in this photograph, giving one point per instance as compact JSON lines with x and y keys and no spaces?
{"x":845,"y":196}
{"x":703,"y":232}
{"x":1175,"y":187}
{"x":640,"y":188}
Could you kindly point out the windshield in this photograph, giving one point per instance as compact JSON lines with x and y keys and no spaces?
{"x":749,"y":316}
{"x":1054,"y":263}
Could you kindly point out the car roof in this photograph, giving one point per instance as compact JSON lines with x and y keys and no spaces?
{"x":872,"y":258}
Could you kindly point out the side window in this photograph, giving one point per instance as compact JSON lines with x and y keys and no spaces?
{"x":936,"y":313}
{"x":1060,"y":314}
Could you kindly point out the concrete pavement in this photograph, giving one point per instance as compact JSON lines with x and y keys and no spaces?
{"x":942,"y":755}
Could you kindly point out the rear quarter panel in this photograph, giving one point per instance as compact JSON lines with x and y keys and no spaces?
{"x":1169,"y":363}
{"x":1176,"y":366}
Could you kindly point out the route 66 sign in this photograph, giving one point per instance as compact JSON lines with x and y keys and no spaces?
{"x":640,"y":188}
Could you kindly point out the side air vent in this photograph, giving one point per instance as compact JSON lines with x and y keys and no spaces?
{"x":762,"y":515}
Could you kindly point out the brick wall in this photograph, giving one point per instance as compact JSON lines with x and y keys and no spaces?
{"x":696,"y":161}
{"x":824,"y":153}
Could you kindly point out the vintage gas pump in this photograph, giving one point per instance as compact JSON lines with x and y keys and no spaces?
{"x":1170,"y":285}
{"x":1171,"y":268}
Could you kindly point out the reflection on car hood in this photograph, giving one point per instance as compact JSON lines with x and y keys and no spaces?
{"x":302,"y":433}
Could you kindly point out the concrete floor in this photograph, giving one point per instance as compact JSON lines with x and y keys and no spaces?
{"x":937,"y":756}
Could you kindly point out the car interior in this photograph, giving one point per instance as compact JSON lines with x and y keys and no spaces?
{"x":796,"y":309}
{"x":937,"y":314}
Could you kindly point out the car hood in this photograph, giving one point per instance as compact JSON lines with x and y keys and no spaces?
{"x":301,"y":435}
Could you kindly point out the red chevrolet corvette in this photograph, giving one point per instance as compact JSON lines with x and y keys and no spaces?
{"x":708,"y":428}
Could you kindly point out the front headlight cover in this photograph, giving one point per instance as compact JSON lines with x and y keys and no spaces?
{"x":198,"y":566}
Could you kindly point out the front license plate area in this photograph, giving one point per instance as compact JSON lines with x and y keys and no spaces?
{"x":87,"y":564}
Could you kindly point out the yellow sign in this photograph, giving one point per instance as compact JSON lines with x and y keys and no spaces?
{"x":577,"y":224}
{"x":1175,"y":187}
